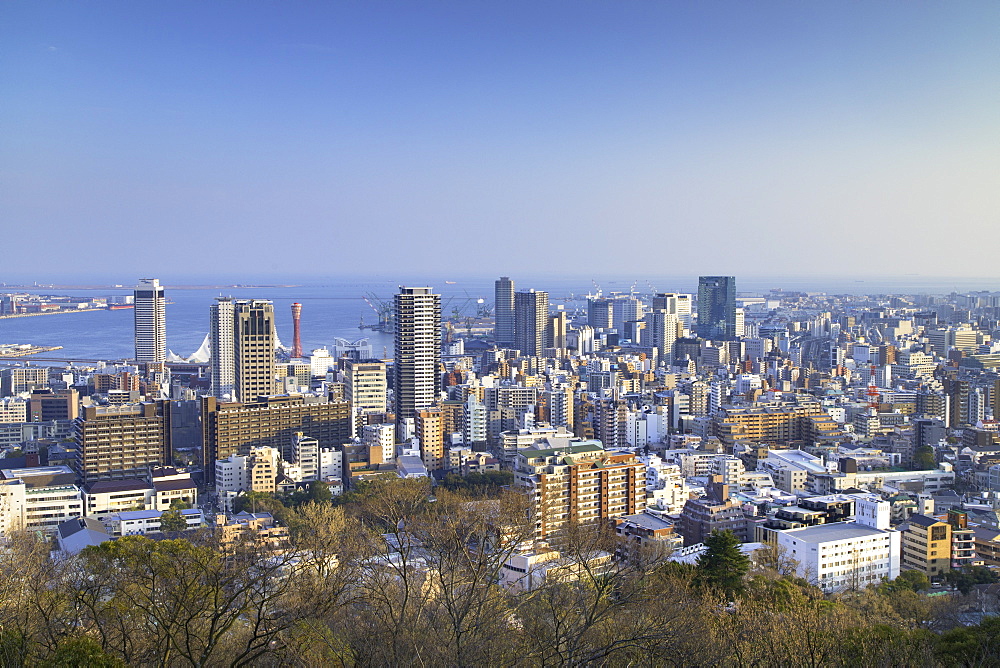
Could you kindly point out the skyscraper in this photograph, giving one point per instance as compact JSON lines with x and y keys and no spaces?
{"x":223,"y":349}
{"x":717,"y":307}
{"x":676,"y":303}
{"x":418,"y":350}
{"x":150,"y":322}
{"x":253,"y":339}
{"x":531,"y":319}
{"x":504,"y":312}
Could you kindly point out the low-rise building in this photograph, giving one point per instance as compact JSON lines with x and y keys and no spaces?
{"x":846,"y":555}
{"x":141,"y":522}
{"x":106,"y":497}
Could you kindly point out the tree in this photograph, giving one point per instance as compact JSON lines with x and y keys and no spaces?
{"x":723,"y":565}
{"x":907,"y":580}
{"x":773,"y":559}
{"x":923,"y":458}
{"x":319,"y":492}
{"x":172,"y":520}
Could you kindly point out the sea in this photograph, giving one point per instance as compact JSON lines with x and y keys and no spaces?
{"x":336,"y":308}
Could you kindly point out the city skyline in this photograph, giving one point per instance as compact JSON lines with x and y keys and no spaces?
{"x":834,"y":139}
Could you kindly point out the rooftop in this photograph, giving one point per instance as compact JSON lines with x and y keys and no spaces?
{"x":827,"y":533}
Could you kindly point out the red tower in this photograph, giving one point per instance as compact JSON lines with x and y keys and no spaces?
{"x":296,"y":339}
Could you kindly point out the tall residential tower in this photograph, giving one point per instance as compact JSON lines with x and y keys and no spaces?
{"x":504,"y":312}
{"x":418,"y":350}
{"x":531,"y":318}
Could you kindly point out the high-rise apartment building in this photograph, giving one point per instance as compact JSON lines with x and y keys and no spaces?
{"x":579,"y":482}
{"x":150,"y":322}
{"x":253,"y":343}
{"x":418,"y":350}
{"x":531,"y":320}
{"x":119,"y":442}
{"x":223,"y":349}
{"x":717,"y":307}
{"x":504,"y":312}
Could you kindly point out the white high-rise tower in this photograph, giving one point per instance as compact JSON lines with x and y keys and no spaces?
{"x":150,"y":322}
{"x":418,"y":350}
{"x":223,"y":349}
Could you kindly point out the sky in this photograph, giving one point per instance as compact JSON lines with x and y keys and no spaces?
{"x":259,"y":139}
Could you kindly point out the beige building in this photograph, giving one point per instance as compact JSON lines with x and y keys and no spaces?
{"x":122,"y":442}
{"x":253,"y":345}
{"x":235,"y":428}
{"x":365,"y":387}
{"x":581,"y":482}
{"x":430,"y":433}
{"x":926,"y":545}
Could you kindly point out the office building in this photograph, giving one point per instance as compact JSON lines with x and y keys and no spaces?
{"x":150,"y":322}
{"x":38,"y":498}
{"x":600,"y":313}
{"x":253,"y":344}
{"x":418,"y":350}
{"x":122,"y":442}
{"x":531,"y":320}
{"x":503,"y":311}
{"x":717,"y":307}
{"x":47,"y":405}
{"x":235,"y":428}
{"x":675,"y":303}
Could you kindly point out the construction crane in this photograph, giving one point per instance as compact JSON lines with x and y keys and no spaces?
{"x":383,"y":309}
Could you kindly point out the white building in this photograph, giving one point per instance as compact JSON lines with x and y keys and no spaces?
{"x":38,"y":498}
{"x":141,"y":522}
{"x":150,"y":321}
{"x":255,"y":471}
{"x":106,"y":497}
{"x":846,"y":555}
{"x":381,"y":435}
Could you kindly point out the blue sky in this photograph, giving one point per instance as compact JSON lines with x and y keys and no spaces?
{"x":357,"y":138}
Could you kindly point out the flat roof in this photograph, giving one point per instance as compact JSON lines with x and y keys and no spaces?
{"x":826,"y":533}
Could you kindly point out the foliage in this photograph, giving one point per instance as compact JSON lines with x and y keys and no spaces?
{"x":172,"y":520}
{"x":397,"y":577}
{"x":81,"y":652}
{"x":723,"y":565}
{"x":923,"y":458}
{"x":907,"y":580}
{"x":485,"y":484}
{"x":967,"y":578}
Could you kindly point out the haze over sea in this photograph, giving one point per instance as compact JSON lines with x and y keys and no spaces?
{"x":334,"y":308}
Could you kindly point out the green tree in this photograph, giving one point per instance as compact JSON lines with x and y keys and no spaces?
{"x":723,"y":565}
{"x":81,"y":652}
{"x":172,"y":520}
{"x":923,"y":458}
{"x":907,"y":580}
{"x":319,"y":492}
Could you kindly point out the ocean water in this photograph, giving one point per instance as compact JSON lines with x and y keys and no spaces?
{"x":334,"y":308}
